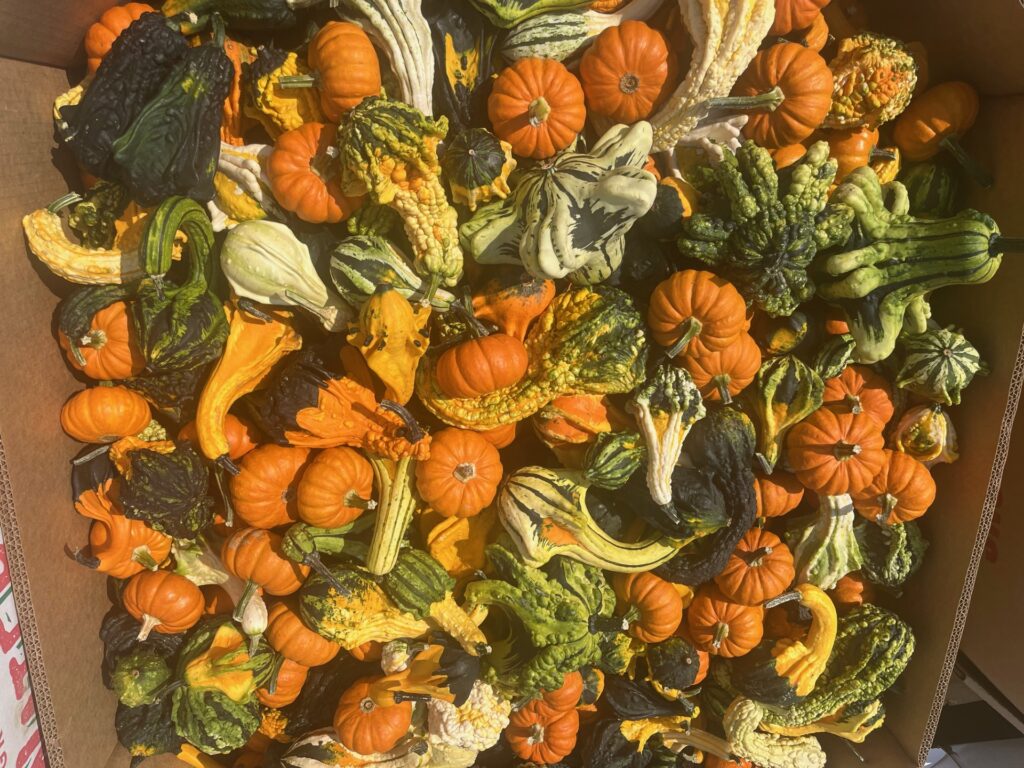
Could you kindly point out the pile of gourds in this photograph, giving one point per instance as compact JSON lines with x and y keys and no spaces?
{"x":498,"y":383}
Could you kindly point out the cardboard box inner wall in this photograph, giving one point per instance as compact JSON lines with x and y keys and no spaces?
{"x":60,"y":606}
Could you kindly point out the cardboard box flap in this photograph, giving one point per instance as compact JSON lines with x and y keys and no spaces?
{"x":47,"y":31}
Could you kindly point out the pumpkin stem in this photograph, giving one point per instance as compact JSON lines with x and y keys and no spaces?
{"x":883,"y":154}
{"x":539,"y":111}
{"x":980,"y":176}
{"x":85,"y":458}
{"x":755,"y":558}
{"x":149,"y":623}
{"x":999,"y":245}
{"x":143,"y":557}
{"x":79,"y":556}
{"x":536,"y":734}
{"x":766,"y":466}
{"x":243,"y":601}
{"x":843,"y":450}
{"x":464,"y":308}
{"x":785,"y":597}
{"x":721,"y":382}
{"x":95,"y":339}
{"x":412,"y":431}
{"x":465,"y":472}
{"x":888,"y":503}
{"x":607,"y":624}
{"x":853,"y":402}
{"x":298,"y":81}
{"x":400,"y":696}
{"x":218,"y":476}
{"x":769,"y":101}
{"x":225,"y":463}
{"x":689,"y":329}
{"x":63,"y":202}
{"x":721,"y":632}
{"x":354,"y":500}
{"x":629,"y":83}
{"x":275,"y":670}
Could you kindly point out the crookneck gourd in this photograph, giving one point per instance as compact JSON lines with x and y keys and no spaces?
{"x":389,"y":152}
{"x":826,"y":549}
{"x":545,"y":512}
{"x":881,"y":278}
{"x":569,"y":217}
{"x":587,"y":341}
{"x":765,"y":234}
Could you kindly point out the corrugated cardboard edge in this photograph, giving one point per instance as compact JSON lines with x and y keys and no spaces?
{"x":27,"y":620}
{"x":987,"y":511}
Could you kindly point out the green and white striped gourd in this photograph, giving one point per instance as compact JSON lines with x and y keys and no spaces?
{"x":938,"y":365}
{"x":613,"y":458}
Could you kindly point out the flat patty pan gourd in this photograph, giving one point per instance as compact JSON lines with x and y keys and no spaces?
{"x":500,"y":382}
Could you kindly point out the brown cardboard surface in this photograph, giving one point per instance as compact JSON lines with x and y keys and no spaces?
{"x":60,"y":623}
{"x":61,"y":607}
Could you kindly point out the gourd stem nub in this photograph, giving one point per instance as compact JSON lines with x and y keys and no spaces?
{"x":689,"y":329}
{"x":539,"y":111}
{"x":769,"y":100}
{"x":1000,"y":245}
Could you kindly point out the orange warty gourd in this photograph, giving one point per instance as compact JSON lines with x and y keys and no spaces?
{"x":240,"y":433}
{"x":102,"y":34}
{"x":789,"y":88}
{"x":795,"y":14}
{"x":777,"y":494}
{"x":255,"y":555}
{"x":346,"y":66}
{"x":852,"y":590}
{"x":568,"y":695}
{"x":163,"y":601}
{"x":721,"y":627}
{"x":289,"y":636}
{"x":628,"y":72}
{"x":656,"y":603}
{"x":264,"y":492}
{"x":461,"y":476}
{"x":695,"y":311}
{"x":481,"y":365}
{"x":851,"y":148}
{"x":366,"y":727}
{"x":859,"y":389}
{"x":335,"y":489}
{"x":104,"y":414}
{"x":760,"y":568}
{"x":109,"y":350}
{"x":540,"y":734}
{"x":903,"y":490}
{"x":290,"y":679}
{"x":304,"y":176}
{"x":537,"y":106}
{"x":833,"y":453}
{"x":723,"y":374}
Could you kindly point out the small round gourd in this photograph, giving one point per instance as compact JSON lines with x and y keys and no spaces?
{"x":760,"y":568}
{"x":162,"y":601}
{"x":938,"y":365}
{"x":289,"y":636}
{"x":656,"y":603}
{"x":461,"y":476}
{"x":542,"y":735}
{"x":366,"y":727}
{"x":104,"y":414}
{"x":721,"y":627}
{"x":835,"y":453}
{"x":903,"y":490}
{"x":335,"y":488}
{"x":264,"y":492}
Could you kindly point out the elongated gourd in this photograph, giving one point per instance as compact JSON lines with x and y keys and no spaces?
{"x":253,"y":347}
{"x":396,"y":503}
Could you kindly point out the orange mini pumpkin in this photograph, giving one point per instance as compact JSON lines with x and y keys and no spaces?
{"x":851,"y":148}
{"x":787,"y":155}
{"x":462,"y":474}
{"x":500,"y":437}
{"x":264,"y":491}
{"x":288,"y":635}
{"x":481,"y":365}
{"x":795,"y":14}
{"x":537,"y":106}
{"x":760,"y":568}
{"x":833,"y":453}
{"x":859,"y":389}
{"x":109,"y":350}
{"x":567,"y":696}
{"x":287,"y":685}
{"x":335,"y":488}
{"x":102,"y":34}
{"x":694,"y":311}
{"x":852,"y":590}
{"x":903,"y":490}
{"x":722,"y":375}
{"x":655,"y":602}
{"x":346,"y":66}
{"x":366,"y":727}
{"x":540,"y":734}
{"x":628,"y":72}
{"x":304,"y":175}
{"x":777,"y":494}
{"x":163,"y":601}
{"x":255,"y":555}
{"x":240,"y":433}
{"x":104,"y":414}
{"x":722,"y":627}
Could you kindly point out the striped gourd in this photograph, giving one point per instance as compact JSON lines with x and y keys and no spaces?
{"x":416,"y":582}
{"x":394,"y":512}
{"x":613,"y":458}
{"x":938,"y":365}
{"x":361,"y":263}
{"x":932,"y":190}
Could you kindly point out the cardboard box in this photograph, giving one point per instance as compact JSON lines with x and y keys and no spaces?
{"x":61,"y":607}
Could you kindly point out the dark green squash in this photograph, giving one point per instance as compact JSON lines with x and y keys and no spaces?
{"x":477,"y":165}
{"x":248,"y":15}
{"x":93,"y":218}
{"x":613,"y":458}
{"x":147,"y":730}
{"x":139,"y":676}
{"x":295,"y":385}
{"x":637,"y":700}
{"x":180,"y":326}
{"x":604,"y":745}
{"x":175,"y":394}
{"x":168,"y":490}
{"x":892,"y":553}
{"x":119,"y":633}
{"x":128,"y":78}
{"x":698,"y":507}
{"x":673,"y":204}
{"x":832,"y":357}
{"x":672,"y":666}
{"x":172,"y":146}
{"x":933,"y":189}
{"x":416,"y":582}
{"x":463,"y":55}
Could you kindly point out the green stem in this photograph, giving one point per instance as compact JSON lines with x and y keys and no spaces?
{"x":165,"y":689}
{"x":853,"y":403}
{"x":785,"y":597}
{"x":63,"y":202}
{"x":689,"y":329}
{"x":756,"y":557}
{"x":882,"y":154}
{"x":313,"y":561}
{"x":769,"y":100}
{"x":999,"y":245}
{"x":243,"y":601}
{"x":539,"y":111}
{"x":721,"y":633}
{"x":607,"y":624}
{"x":85,"y":458}
{"x":145,"y":559}
{"x":980,"y":176}
{"x":298,"y":81}
{"x":721,"y":382}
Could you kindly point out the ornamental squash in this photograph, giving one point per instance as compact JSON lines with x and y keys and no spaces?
{"x":102,"y":34}
{"x":163,"y":601}
{"x":364,"y":726}
{"x":464,"y":62}
{"x":723,"y":374}
{"x":253,"y":347}
{"x":292,"y":639}
{"x":481,"y":365}
{"x":104,"y":414}
{"x":723,"y":628}
{"x":612,"y":459}
{"x":826,"y":549}
{"x":926,"y":432}
{"x":477,"y":165}
{"x":902,"y":491}
{"x":835,"y":453}
{"x":96,"y":334}
{"x":537,"y":106}
{"x":285,"y":686}
{"x":795,"y":14}
{"x":263,"y":492}
{"x":345,"y":68}
{"x":784,"y":392}
{"x":860,"y":389}
{"x":938,"y":365}
{"x":512,"y":299}
{"x":891,"y":553}
{"x":461,"y":476}
{"x":696,"y":311}
{"x":397,"y":501}
{"x":570,"y":423}
{"x":542,"y":735}
{"x":777,"y":494}
{"x":789,"y":89}
{"x":760,"y":569}
{"x":875,"y":77}
{"x":255,"y":556}
{"x":303,"y":175}
{"x":652,"y":605}
{"x":628,"y":72}
{"x":276,"y":108}
{"x":783,"y":672}
{"x":335,"y":488}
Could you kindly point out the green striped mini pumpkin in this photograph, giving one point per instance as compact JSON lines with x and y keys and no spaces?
{"x":938,"y":365}
{"x":613,"y":458}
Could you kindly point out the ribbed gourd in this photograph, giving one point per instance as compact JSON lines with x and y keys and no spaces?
{"x":938,"y":365}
